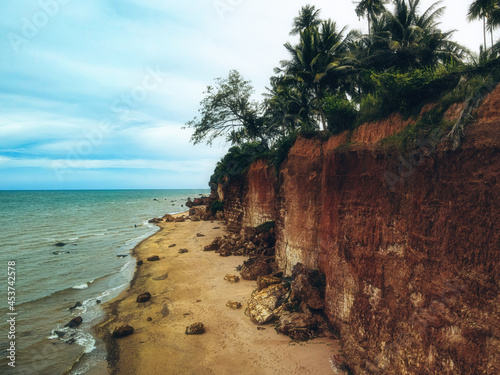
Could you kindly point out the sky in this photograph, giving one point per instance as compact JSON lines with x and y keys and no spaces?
{"x":94,"y":94}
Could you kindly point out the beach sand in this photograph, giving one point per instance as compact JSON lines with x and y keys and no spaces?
{"x":188,"y":288}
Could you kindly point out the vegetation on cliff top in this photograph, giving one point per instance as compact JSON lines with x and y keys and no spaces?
{"x":336,"y":79}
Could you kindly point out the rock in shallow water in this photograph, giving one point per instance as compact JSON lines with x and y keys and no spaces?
{"x":75,"y":322}
{"x":195,"y":329}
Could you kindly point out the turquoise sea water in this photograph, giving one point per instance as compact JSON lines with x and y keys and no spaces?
{"x":99,"y":229}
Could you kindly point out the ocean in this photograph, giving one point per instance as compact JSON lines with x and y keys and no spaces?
{"x":98,"y":229}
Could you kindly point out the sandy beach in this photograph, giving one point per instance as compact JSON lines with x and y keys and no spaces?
{"x":188,"y":288}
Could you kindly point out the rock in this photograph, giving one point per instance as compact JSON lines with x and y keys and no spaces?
{"x":216,"y":228}
{"x":173,"y":245}
{"x":123,"y":331}
{"x":169,"y":218}
{"x":144,"y":297}
{"x":195,"y":329}
{"x":75,"y":322}
{"x":262,"y":304}
{"x":98,"y":301}
{"x":255,"y":267}
{"x":149,"y":319}
{"x":219,"y":215}
{"x":122,"y":255}
{"x":232,"y":278}
{"x":155,"y":220}
{"x":299,"y":326}
{"x":60,"y":333}
{"x":339,"y":365}
{"x":233,"y":304}
{"x":304,"y":287}
{"x":225,"y":250}
{"x":78,"y":304}
{"x":200,"y":235}
{"x":195,"y":218}
{"x":153,"y":258}
{"x":139,"y":263}
{"x":183,"y":251}
{"x":60,"y":244}
{"x":180,"y":219}
{"x":264,"y":282}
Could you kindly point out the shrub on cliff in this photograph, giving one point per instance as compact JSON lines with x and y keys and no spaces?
{"x":237,"y":159}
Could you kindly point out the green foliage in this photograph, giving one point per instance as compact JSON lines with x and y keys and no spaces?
{"x":237,"y":159}
{"x":227,"y":110}
{"x":280,"y":150}
{"x":405,"y":93}
{"x":340,"y":113}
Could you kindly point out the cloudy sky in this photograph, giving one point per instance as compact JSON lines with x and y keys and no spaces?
{"x":94,"y":93}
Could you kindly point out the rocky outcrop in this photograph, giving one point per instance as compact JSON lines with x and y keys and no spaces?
{"x":409,"y":243}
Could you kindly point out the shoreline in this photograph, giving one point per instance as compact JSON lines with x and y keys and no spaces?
{"x":188,"y":288}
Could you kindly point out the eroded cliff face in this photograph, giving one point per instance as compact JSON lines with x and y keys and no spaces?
{"x":410,"y":244}
{"x":250,"y":200}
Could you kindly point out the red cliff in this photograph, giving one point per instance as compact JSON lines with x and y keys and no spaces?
{"x":409,"y":244}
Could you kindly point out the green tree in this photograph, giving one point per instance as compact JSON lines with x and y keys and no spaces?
{"x":370,"y":8}
{"x":308,"y":17}
{"x":413,"y":41}
{"x":485,"y":10}
{"x":228,"y":110}
{"x":316,"y":59}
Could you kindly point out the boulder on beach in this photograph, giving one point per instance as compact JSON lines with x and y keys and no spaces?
{"x":255,"y":267}
{"x":75,"y":322}
{"x":262,"y":305}
{"x":195,"y":329}
{"x":60,"y":244}
{"x":144,"y":297}
{"x":173,"y":245}
{"x":169,"y":218}
{"x":233,"y":304}
{"x":153,"y":258}
{"x":264,"y":282}
{"x":183,"y":251}
{"x":232,"y":278}
{"x":299,"y":326}
{"x":139,"y":263}
{"x":123,"y":331}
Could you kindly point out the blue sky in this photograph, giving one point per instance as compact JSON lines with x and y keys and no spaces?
{"x":94,"y":94}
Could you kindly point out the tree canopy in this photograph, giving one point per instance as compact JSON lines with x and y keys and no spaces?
{"x":334,"y":78}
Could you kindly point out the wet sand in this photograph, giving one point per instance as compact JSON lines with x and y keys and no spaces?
{"x":188,"y":288}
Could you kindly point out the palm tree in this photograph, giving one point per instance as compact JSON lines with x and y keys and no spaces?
{"x":308,"y":17}
{"x":317,"y":56}
{"x":483,"y":9}
{"x":371,"y":8}
{"x":414,"y":40}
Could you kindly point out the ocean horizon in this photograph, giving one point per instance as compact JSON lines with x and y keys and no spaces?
{"x":71,"y":251}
